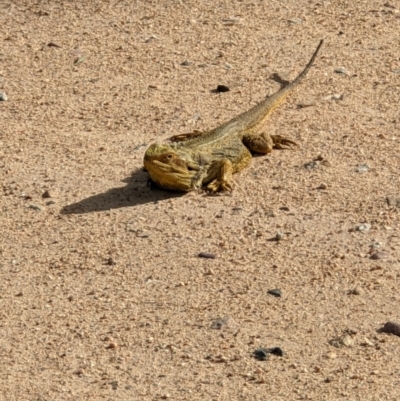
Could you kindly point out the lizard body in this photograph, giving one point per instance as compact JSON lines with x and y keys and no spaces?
{"x":191,"y":161}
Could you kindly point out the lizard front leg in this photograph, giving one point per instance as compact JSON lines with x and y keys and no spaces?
{"x":220,"y":173}
{"x":264,"y":143}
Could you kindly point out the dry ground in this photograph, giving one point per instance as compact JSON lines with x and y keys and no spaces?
{"x":102,"y":293}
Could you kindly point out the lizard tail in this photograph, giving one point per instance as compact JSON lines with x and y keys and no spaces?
{"x":277,"y":98}
{"x":256,"y":117}
{"x":306,"y":69}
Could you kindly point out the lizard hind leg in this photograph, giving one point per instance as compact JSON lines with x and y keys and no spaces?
{"x":222,"y":170}
{"x":264,"y":143}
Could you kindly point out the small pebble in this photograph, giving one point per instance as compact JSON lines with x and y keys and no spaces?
{"x":114,"y":384}
{"x":331,"y":355}
{"x":375,"y":245}
{"x":230,"y":21}
{"x":356,"y":291}
{"x":261,"y":354}
{"x":186,"y":63}
{"x":363,"y":227}
{"x":380,"y":256}
{"x":35,"y":207}
{"x":3,"y":97}
{"x":306,"y":103}
{"x":347,"y":341}
{"x":151,"y":38}
{"x":294,"y":21}
{"x":276,"y":351}
{"x":362,"y":168}
{"x":279,"y":235}
{"x":222,"y":88}
{"x":276,"y":292}
{"x":46,"y":194}
{"x":335,"y":96}
{"x":206,"y":255}
{"x":323,"y":186}
{"x":367,"y":343}
{"x":143,"y":234}
{"x":218,"y":324}
{"x":341,"y":70}
{"x":344,"y":340}
{"x":392,"y":201}
{"x":326,"y":163}
{"x":110,"y":262}
{"x":79,"y":60}
{"x":391,"y":328}
{"x":311,"y":165}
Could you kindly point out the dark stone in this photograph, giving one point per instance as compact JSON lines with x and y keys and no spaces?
{"x":206,"y":255}
{"x":222,"y":88}
{"x":110,"y":262}
{"x":261,"y":354}
{"x":276,"y":351}
{"x":276,"y":292}
{"x":391,"y":328}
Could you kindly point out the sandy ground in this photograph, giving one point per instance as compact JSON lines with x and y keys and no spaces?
{"x":103,"y":295}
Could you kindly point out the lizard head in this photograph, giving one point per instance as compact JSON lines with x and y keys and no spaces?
{"x":168,"y":169}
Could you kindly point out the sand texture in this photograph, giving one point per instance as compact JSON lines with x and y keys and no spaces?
{"x":103,"y":294}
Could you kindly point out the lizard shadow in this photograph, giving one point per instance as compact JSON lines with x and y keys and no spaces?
{"x":136,"y":192}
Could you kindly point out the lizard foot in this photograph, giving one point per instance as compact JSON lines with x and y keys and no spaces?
{"x":282,"y":143}
{"x":220,"y":176}
{"x":219,"y":186}
{"x":264,"y":143}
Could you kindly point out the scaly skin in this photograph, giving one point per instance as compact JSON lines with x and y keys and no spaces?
{"x":209,"y":159}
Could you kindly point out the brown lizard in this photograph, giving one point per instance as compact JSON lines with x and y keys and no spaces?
{"x":191,"y":161}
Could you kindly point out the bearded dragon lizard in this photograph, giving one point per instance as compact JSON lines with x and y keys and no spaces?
{"x":209,"y":159}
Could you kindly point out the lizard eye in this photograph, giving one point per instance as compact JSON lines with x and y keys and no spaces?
{"x":169,"y":157}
